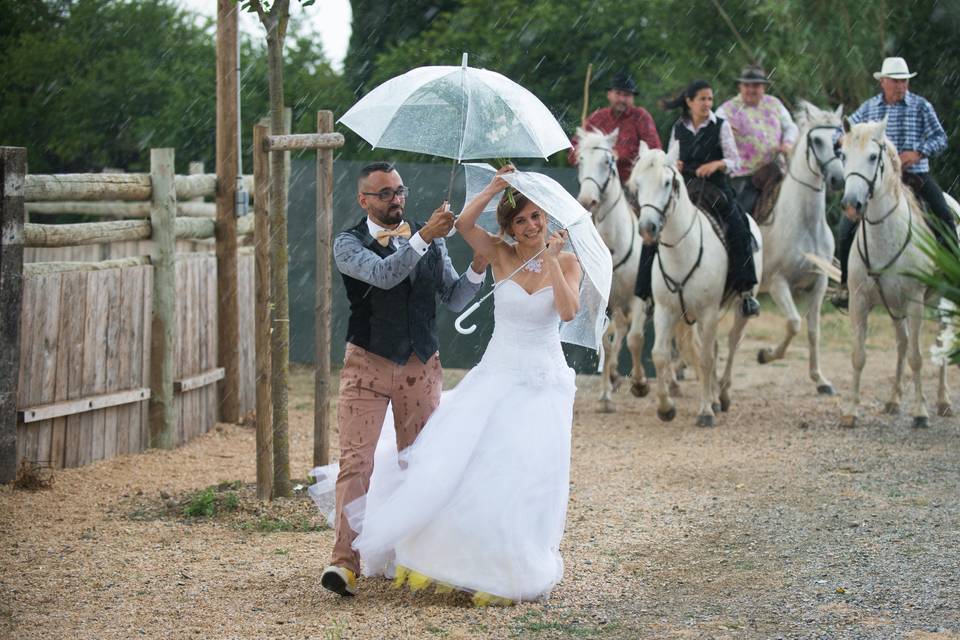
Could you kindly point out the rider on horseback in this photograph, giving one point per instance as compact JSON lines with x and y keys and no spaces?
{"x":703,"y":149}
{"x":915,"y":130}
{"x":763,"y":130}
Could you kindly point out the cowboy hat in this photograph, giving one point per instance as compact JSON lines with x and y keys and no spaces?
{"x":895,"y":68}
{"x":623,"y":82}
{"x":753,"y":74}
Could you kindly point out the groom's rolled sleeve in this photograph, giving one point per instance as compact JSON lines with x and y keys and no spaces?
{"x":356,"y":261}
{"x":456,"y":290}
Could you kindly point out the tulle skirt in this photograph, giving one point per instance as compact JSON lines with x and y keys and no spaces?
{"x":479,"y":501}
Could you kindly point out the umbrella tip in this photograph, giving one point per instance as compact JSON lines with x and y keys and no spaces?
{"x":464,"y":62}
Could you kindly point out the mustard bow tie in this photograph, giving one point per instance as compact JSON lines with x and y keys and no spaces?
{"x":403,"y":231}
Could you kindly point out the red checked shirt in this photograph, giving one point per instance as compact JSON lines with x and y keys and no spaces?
{"x":635,"y":124}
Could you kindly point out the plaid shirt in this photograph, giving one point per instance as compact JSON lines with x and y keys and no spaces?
{"x":912,"y":125}
{"x":635,"y":124}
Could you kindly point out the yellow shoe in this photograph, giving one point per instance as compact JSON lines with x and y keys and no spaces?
{"x":339,"y":580}
{"x":484,"y":599}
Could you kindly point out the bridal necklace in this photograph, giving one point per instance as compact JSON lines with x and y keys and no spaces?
{"x":533,"y":266}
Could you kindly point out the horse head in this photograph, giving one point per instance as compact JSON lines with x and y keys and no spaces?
{"x":869,"y":160}
{"x":820,"y":126}
{"x":655,"y":187}
{"x":596,"y":166}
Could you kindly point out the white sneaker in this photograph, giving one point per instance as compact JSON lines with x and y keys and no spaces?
{"x":339,"y":580}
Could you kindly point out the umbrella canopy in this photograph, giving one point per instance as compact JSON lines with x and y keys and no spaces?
{"x":563,"y":210}
{"x":456,"y":112}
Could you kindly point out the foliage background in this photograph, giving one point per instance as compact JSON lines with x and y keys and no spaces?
{"x":88,"y":84}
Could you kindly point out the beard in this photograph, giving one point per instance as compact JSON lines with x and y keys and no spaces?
{"x":390,"y":216}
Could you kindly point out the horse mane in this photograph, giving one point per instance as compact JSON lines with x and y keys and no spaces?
{"x":652,"y":158}
{"x":592,"y":135}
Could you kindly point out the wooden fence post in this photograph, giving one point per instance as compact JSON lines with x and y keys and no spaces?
{"x":163,"y":211}
{"x":322,"y":309}
{"x":261,"y":235}
{"x":228,"y":306}
{"x":13,"y":168}
{"x":280,"y":334}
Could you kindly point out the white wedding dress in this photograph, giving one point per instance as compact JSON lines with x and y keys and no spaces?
{"x":479,"y":501}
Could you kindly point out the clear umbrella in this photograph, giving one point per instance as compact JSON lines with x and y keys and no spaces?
{"x":564,"y":212}
{"x":460,"y":113}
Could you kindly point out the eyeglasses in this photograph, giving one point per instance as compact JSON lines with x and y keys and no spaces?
{"x":386,"y":195}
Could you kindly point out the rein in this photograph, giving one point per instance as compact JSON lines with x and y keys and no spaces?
{"x":674,"y":286}
{"x":612,"y":172}
{"x":865,"y":224}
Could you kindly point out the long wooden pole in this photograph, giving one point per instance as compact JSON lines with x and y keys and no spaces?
{"x":228,"y":309}
{"x":322,"y":311}
{"x":586,"y":95}
{"x":163,"y":419}
{"x":264,"y":402}
{"x":13,"y":168}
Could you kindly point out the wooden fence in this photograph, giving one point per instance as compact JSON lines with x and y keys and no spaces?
{"x":91,"y":376}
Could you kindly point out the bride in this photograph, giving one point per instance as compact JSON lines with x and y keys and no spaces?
{"x":478,"y":502}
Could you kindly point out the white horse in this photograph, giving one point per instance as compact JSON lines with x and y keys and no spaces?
{"x":883,"y":252}
{"x":798,"y":226}
{"x":688,"y":282}
{"x":602,"y":195}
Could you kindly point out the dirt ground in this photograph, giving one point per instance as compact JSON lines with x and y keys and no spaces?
{"x":776,"y":523}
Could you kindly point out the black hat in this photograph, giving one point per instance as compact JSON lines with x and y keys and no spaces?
{"x":753,"y":74}
{"x":623,"y":82}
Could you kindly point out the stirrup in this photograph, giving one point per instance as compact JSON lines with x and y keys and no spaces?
{"x":841,"y":299}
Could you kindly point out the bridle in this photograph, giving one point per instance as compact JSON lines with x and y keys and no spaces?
{"x":611,"y":165}
{"x":822,"y":166}
{"x":863,"y":247}
{"x":673,"y":285}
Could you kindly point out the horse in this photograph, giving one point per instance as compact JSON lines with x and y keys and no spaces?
{"x":798,"y":227}
{"x":602,"y":194}
{"x":888,"y":216}
{"x":688,"y":282}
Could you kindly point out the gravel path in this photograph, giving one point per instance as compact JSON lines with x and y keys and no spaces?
{"x":777,"y":523}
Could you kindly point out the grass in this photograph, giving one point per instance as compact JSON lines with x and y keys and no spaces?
{"x":270,"y":524}
{"x":535,"y":622}
{"x":211,"y":501}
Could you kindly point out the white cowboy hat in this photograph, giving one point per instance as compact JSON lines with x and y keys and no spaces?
{"x":895,"y":68}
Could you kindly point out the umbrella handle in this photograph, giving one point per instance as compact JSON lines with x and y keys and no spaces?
{"x":463,"y":316}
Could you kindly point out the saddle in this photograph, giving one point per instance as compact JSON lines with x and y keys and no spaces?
{"x":767,"y":181}
{"x":710,"y":199}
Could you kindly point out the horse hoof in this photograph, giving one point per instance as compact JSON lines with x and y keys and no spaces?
{"x":826,"y":390}
{"x":944,"y":410}
{"x":763,"y":356}
{"x":640,"y":389}
{"x":892,"y":408}
{"x":921,"y":422}
{"x":848,"y":422}
{"x":705,"y":420}
{"x":606,"y":407}
{"x":615,"y":382}
{"x":667,"y":415}
{"x":675,"y":391}
{"x":724,"y":401}
{"x":681,"y":374}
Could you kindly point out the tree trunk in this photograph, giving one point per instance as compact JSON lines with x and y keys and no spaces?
{"x":280,"y":336}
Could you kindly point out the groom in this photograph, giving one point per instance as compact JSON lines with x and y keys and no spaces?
{"x":394,"y":272}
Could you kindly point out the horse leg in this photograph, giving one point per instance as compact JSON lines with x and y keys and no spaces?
{"x":892,"y":407}
{"x":943,"y":394}
{"x":611,"y":345}
{"x":663,"y":320}
{"x":708,"y":370}
{"x":921,"y":418}
{"x":635,"y":339}
{"x":733,"y":343}
{"x":824,"y":386}
{"x":859,"y":311}
{"x":780,"y":292}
